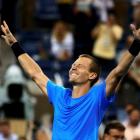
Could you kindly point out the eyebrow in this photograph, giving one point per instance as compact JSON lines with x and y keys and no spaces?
{"x":78,"y":65}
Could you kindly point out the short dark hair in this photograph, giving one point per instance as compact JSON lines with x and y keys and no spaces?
{"x":95,"y":66}
{"x":134,"y":109}
{"x":114,"y":125}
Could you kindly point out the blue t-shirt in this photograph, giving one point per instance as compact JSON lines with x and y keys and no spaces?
{"x":77,"y":118}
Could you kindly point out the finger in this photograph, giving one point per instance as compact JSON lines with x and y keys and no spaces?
{"x":133,"y":27}
{"x":5,"y":24}
{"x":3,"y":36}
{"x":3,"y":29}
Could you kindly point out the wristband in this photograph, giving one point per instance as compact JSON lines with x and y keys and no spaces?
{"x":17,"y":50}
{"x":135,"y":47}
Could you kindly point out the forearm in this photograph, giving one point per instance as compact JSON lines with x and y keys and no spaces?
{"x":29,"y":65}
{"x":119,"y":72}
{"x":124,"y":64}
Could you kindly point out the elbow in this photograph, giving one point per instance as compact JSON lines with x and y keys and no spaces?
{"x":34,"y":75}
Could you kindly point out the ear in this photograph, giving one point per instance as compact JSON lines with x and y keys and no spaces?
{"x":92,"y":76}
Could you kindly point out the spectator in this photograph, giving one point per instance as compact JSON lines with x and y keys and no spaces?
{"x":107,"y":37}
{"x":5,"y":133}
{"x":133,"y":126}
{"x":128,"y":108}
{"x":61,"y":42}
{"x":114,"y":131}
{"x":123,"y":112}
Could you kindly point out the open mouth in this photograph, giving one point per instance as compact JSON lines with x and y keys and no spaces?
{"x":72,"y":73}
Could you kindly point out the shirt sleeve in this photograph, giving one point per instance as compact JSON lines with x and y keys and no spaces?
{"x":102,"y":100}
{"x":105,"y":101}
{"x":54,"y":91}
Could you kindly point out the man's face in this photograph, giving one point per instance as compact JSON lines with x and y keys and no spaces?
{"x":134,"y":117}
{"x":6,"y":130}
{"x":80,"y":71}
{"x":115,"y":134}
{"x":60,"y":28}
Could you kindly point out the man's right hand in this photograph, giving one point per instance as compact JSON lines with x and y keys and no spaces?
{"x":8,"y":36}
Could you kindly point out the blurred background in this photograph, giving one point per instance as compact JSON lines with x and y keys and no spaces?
{"x":54,"y":33}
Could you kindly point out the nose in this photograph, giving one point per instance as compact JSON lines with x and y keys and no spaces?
{"x":74,"y":67}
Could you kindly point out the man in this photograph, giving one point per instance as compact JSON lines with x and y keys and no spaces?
{"x":78,"y":112}
{"x":5,"y":131}
{"x":114,"y":130}
{"x":133,"y":125}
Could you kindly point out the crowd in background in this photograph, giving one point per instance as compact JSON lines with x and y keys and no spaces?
{"x":54,"y":33}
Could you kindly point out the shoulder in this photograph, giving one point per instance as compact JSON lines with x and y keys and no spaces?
{"x":55,"y":92}
{"x":53,"y":86}
{"x":100,"y":84}
{"x":98,"y":88}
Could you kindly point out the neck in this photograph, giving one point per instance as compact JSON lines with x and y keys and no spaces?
{"x":80,"y":90}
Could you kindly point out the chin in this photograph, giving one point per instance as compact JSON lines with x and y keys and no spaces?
{"x":72,"y":81}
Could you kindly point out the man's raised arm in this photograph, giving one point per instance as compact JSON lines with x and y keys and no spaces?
{"x":27,"y":63}
{"x":116,"y":75}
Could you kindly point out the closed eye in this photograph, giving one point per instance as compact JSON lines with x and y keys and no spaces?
{"x":78,"y":66}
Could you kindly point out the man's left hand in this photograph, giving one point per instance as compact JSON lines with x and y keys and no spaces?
{"x":136,"y":32}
